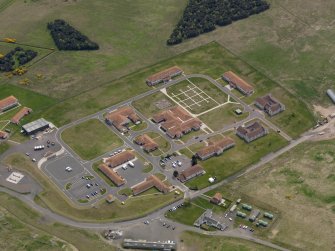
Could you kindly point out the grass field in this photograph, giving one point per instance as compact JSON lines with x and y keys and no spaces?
{"x":54,"y":199}
{"x":300,"y":185}
{"x":91,"y":139}
{"x":27,"y":230}
{"x":222,"y":116}
{"x":237,"y":158}
{"x":198,"y":242}
{"x":197,"y":95}
{"x":147,"y":105}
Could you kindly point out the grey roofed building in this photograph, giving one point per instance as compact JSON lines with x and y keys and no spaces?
{"x":208,"y":219}
{"x":331,"y":95}
{"x":35,"y":126}
{"x":149,"y":245}
{"x":254,"y":214}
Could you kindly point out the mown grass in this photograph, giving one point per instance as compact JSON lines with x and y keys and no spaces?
{"x":54,"y":199}
{"x":91,"y":139}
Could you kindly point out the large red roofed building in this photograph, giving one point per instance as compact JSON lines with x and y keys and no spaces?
{"x":121,"y":117}
{"x":176,"y":122}
{"x":151,"y":181}
{"x":20,"y":114}
{"x":148,"y":143}
{"x":164,"y":76}
{"x":236,"y":82}
{"x":215,"y":148}
{"x":7,"y":103}
{"x":251,"y":132}
{"x":117,"y":179}
{"x":119,"y":159}
{"x":190,"y":173}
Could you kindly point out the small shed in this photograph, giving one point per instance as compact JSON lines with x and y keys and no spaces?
{"x":331,"y":95}
{"x":110,"y":198}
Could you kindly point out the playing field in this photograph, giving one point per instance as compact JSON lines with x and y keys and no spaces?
{"x":300,"y":185}
{"x":91,"y":139}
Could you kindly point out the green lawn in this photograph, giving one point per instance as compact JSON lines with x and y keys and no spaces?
{"x":91,"y":139}
{"x":222,"y":116}
{"x":198,"y":242}
{"x":4,"y":146}
{"x":147,"y":106}
{"x":240,"y":156}
{"x":54,"y":199}
{"x":213,"y":95}
{"x":186,"y":215}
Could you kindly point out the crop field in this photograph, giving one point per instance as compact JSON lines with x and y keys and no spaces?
{"x":91,"y":139}
{"x":197,"y":95}
{"x":300,"y":185}
{"x":198,"y":242}
{"x":236,"y":158}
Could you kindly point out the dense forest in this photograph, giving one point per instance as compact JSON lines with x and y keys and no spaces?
{"x":19,"y":55}
{"x":201,"y":16}
{"x":68,"y":38}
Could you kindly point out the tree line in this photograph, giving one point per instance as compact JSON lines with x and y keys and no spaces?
{"x":201,"y":16}
{"x":68,"y":38}
{"x":8,"y":62}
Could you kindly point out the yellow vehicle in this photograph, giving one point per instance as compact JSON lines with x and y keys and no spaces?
{"x":9,"y":40}
{"x":1,"y":55}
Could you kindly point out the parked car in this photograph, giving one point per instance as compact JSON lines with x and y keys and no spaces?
{"x":33,"y":160}
{"x":27,"y":154}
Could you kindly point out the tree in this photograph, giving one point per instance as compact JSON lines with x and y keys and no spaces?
{"x":175,"y":173}
{"x":194,"y":160}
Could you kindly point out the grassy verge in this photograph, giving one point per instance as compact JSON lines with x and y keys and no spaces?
{"x":54,"y":199}
{"x":4,"y":146}
{"x":91,"y":139}
{"x":198,"y":242}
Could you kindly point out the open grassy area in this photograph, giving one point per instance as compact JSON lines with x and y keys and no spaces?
{"x":54,"y":199}
{"x":147,"y":106}
{"x":300,"y":185}
{"x":4,"y":146}
{"x":91,"y":139}
{"x":240,"y":156}
{"x":27,"y":230}
{"x":222,"y":116}
{"x":15,"y":235}
{"x":197,"y":93}
{"x":187,"y":214}
{"x":198,"y":242}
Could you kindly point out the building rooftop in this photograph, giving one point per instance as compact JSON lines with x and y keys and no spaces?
{"x":120,"y":158}
{"x":112,"y":175}
{"x":214,"y":147}
{"x":251,"y":130}
{"x":122,"y":116}
{"x":189,"y":172}
{"x":10,"y":100}
{"x":147,"y":142}
{"x":20,"y":114}
{"x":244,"y":85}
{"x":151,"y":181}
{"x":165,"y":74}
{"x":32,"y":126}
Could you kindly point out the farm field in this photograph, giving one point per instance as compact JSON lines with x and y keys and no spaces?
{"x":236,"y":158}
{"x":91,"y":139}
{"x":298,"y":184}
{"x":54,"y":199}
{"x":39,"y":234}
{"x":198,"y":242}
{"x":197,"y":95}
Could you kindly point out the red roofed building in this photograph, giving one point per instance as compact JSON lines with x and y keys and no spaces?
{"x":215,"y":148}
{"x":8,"y":103}
{"x":122,"y":117}
{"x":164,"y":76}
{"x":269,"y":104}
{"x":238,"y":83}
{"x":20,"y":114}
{"x":151,"y":181}
{"x":251,"y":132}
{"x":112,"y":175}
{"x":176,"y":122}
{"x":148,"y":143}
{"x":120,"y":159}
{"x":217,"y":198}
{"x":190,"y":172}
{"x":3,"y":135}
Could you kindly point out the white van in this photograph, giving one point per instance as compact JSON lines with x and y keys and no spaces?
{"x":124,"y":167}
{"x":131,"y":164}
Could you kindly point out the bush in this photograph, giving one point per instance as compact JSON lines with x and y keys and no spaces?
{"x":202,"y":16}
{"x":7,"y":63}
{"x":68,"y":38}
